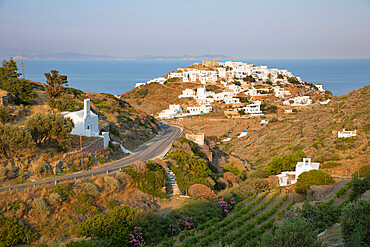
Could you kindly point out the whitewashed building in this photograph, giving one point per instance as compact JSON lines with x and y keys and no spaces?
{"x":254,"y":109}
{"x":298,"y":101}
{"x":187,"y":93}
{"x":281,"y":92}
{"x":346,"y":133}
{"x":171,"y":112}
{"x":287,"y":178}
{"x":87,"y":123}
{"x":320,"y":87}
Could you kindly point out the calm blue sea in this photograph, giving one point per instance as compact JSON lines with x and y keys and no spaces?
{"x":340,"y":76}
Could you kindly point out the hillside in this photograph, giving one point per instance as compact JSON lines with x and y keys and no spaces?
{"x":312,"y":129}
{"x":126,"y":125}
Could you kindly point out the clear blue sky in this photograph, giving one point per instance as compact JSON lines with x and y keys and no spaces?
{"x":237,"y":28}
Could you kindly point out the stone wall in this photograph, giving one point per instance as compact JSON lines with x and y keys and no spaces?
{"x":197,"y":138}
{"x":96,"y":146}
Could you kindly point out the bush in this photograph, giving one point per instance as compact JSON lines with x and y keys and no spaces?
{"x":41,"y":206}
{"x":320,"y":217}
{"x":151,"y":181}
{"x":14,"y":140}
{"x":330,"y":165}
{"x":43,"y":169}
{"x":113,"y":227}
{"x":200,"y":190}
{"x":313,"y":177}
{"x":112,"y":182}
{"x":90,"y":189}
{"x":14,"y":233}
{"x":356,"y":222}
{"x":233,"y":169}
{"x":359,"y":187}
{"x":55,"y":198}
{"x":4,"y":114}
{"x":21,"y":89}
{"x":63,"y":190}
{"x":294,"y":232}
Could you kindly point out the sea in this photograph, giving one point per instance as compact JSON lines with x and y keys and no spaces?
{"x":340,"y":76}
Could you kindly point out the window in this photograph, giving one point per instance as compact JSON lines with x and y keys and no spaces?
{"x":88,"y":127}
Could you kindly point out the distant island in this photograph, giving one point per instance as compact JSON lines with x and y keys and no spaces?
{"x":27,"y":54}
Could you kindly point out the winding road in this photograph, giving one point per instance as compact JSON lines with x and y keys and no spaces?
{"x":157,"y":147}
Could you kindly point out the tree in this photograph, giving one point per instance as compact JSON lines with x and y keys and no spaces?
{"x":54,"y":84}
{"x":45,"y":128}
{"x":8,"y":70}
{"x":285,"y":163}
{"x":355,"y":224}
{"x":14,"y":140}
{"x":313,"y":177}
{"x":294,"y":232}
{"x":20,"y":88}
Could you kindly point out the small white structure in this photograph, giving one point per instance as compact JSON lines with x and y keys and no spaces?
{"x":187,"y":93}
{"x":244,"y":133}
{"x":281,"y":92}
{"x":286,"y":178}
{"x":87,"y":123}
{"x":320,"y":87}
{"x":254,"y":109}
{"x":232,"y":100}
{"x":346,"y":133}
{"x":227,"y":139}
{"x":263,"y":121}
{"x":298,"y":101}
{"x":288,"y":111}
{"x":171,"y":112}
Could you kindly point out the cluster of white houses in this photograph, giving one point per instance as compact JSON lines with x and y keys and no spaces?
{"x":225,"y":71}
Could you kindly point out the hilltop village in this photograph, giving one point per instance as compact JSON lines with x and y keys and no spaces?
{"x":240,"y":86}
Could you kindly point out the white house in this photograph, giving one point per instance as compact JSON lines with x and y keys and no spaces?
{"x":254,"y":109}
{"x":187,"y":93}
{"x":227,"y":139}
{"x":87,"y":123}
{"x":286,"y":178}
{"x":320,"y":87}
{"x":171,"y":112}
{"x":346,"y":133}
{"x":232,"y":100}
{"x":281,"y":92}
{"x":263,"y":121}
{"x":298,"y":101}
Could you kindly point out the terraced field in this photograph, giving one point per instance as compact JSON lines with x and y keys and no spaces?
{"x":243,"y":227}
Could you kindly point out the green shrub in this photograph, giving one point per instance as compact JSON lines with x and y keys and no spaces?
{"x":320,"y":217}
{"x":330,"y":165}
{"x":313,"y":177}
{"x":233,"y":169}
{"x":356,"y":222}
{"x":113,"y":227}
{"x":151,"y":181}
{"x":14,"y":233}
{"x":359,"y":187}
{"x":344,"y":189}
{"x":63,"y":190}
{"x":294,"y":232}
{"x":4,"y":114}
{"x":41,"y":206}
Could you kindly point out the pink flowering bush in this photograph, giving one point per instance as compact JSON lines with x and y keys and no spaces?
{"x":181,"y":225}
{"x":136,"y":239}
{"x":261,"y":185}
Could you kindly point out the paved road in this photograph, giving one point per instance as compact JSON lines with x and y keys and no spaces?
{"x":155,"y":148}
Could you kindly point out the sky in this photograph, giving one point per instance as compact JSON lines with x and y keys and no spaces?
{"x":245,"y":29}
